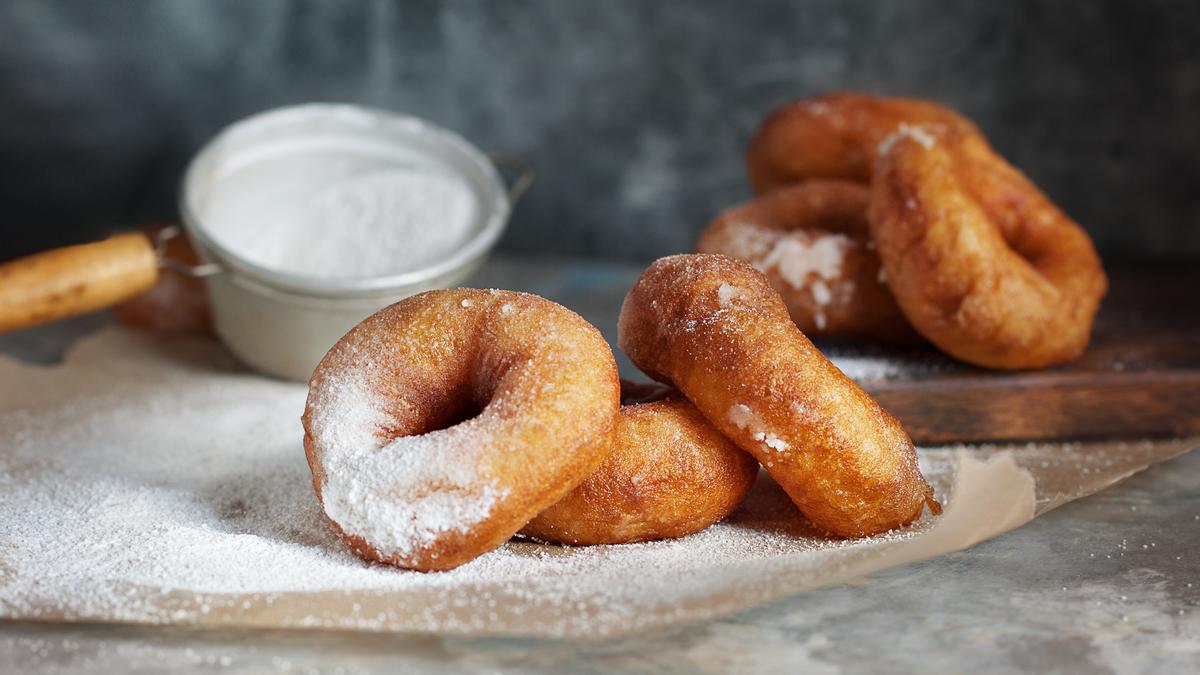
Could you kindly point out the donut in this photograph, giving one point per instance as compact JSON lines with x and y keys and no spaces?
{"x":835,"y":136}
{"x":981,"y":262}
{"x":712,"y":326}
{"x":442,"y":424}
{"x":176,"y":304}
{"x":811,"y":241}
{"x":669,"y":473}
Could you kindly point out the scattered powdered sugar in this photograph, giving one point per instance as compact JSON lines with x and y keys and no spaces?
{"x":910,"y":131}
{"x":150,"y":481}
{"x":867,"y":369}
{"x":403,"y":495}
{"x":145,"y":481}
{"x":866,"y":363}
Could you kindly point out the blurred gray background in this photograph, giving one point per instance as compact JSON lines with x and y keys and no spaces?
{"x":634,"y":114}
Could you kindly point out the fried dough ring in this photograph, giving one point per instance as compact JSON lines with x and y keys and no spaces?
{"x":835,"y":136}
{"x":669,"y":473}
{"x":811,"y":241}
{"x":714,"y":328}
{"x":981,"y":262}
{"x":404,"y":481}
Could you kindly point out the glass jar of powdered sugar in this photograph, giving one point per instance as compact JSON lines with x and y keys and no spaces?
{"x":310,"y":218}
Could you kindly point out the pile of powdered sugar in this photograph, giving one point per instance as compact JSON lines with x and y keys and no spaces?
{"x":148,"y":481}
{"x":340,"y":217}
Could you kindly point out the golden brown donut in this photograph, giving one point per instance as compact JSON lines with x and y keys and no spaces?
{"x":439,"y":426}
{"x":980,"y":261}
{"x":714,"y":328}
{"x":669,"y":473}
{"x":835,"y":136}
{"x":177,"y":304}
{"x":810,"y":239}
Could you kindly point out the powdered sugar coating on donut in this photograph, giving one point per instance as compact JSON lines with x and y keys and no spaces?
{"x":440,"y":425}
{"x":915,"y":132}
{"x":798,"y":261}
{"x":742,"y":416}
{"x":379,"y":490}
{"x":810,"y":241}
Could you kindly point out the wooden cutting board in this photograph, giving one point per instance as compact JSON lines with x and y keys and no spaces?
{"x":1139,"y":378}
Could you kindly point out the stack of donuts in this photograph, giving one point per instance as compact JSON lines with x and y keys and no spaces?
{"x":893,"y":219}
{"x":446,"y":424}
{"x":453,"y":420}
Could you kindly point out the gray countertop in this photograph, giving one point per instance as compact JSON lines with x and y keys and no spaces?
{"x":1106,"y":583}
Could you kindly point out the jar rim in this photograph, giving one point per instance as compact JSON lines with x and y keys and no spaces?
{"x":496,"y":203}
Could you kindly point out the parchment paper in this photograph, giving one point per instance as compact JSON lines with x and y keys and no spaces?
{"x":153,"y":481}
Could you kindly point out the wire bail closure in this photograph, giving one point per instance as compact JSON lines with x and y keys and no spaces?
{"x":524,"y":179}
{"x":162,"y":238}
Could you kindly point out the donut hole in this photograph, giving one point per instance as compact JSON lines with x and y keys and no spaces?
{"x":465,"y":411}
{"x":984,"y":265}
{"x":1027,"y":221}
{"x":438,"y":411}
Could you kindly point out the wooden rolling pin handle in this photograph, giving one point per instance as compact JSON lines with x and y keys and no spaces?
{"x":65,"y":282}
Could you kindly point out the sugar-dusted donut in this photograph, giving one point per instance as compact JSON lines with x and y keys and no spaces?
{"x":835,"y":136}
{"x":714,"y":328}
{"x":439,"y":426}
{"x":980,"y":261}
{"x":669,"y":473}
{"x":810,"y":239}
